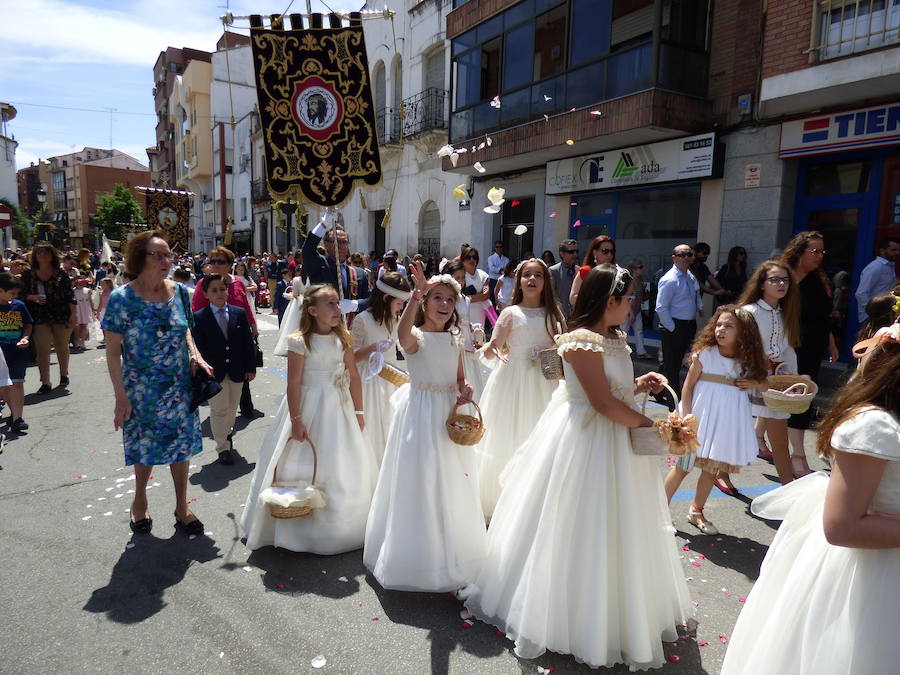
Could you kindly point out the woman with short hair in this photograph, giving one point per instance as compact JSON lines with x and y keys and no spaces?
{"x":151,"y":354}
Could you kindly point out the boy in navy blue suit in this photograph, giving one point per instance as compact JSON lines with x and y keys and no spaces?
{"x":222,"y":334}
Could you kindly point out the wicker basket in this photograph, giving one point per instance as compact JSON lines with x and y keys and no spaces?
{"x":790,"y":393}
{"x":294,"y":511}
{"x":465,"y":429}
{"x":393,"y":375}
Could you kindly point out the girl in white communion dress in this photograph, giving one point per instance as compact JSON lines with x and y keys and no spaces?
{"x":828,"y":595}
{"x":581,"y":558}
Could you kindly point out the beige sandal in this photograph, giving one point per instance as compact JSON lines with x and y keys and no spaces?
{"x":696,"y":518}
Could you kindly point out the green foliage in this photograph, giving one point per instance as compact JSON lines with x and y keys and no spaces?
{"x":21,"y":229}
{"x":116,"y":210}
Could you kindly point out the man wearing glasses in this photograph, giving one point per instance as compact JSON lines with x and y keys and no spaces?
{"x":677,"y":305}
{"x":496,"y":263}
{"x":221,"y":261}
{"x":563,"y":274}
{"x":322,"y":269}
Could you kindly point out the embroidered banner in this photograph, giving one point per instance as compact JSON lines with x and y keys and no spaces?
{"x":168,"y":210}
{"x":315,"y":108}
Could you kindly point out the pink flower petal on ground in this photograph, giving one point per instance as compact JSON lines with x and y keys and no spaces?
{"x":553,"y":214}
{"x":701,"y":556}
{"x":728,"y":594}
{"x":192,"y":500}
{"x":742,"y":599}
{"x":80,"y":477}
{"x":695,"y":563}
{"x":723,"y":639}
{"x":375,"y":618}
{"x":696,"y":604}
{"x":674,"y":658}
{"x":465,"y":624}
{"x":703,"y":644}
{"x":279,"y":585}
{"x":685,"y":548}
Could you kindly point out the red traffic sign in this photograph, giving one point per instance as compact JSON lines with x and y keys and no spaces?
{"x":6,"y":216}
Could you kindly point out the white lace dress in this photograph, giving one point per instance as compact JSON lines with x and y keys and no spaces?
{"x":514,"y":398}
{"x":426,"y":531}
{"x":581,"y":558}
{"x":377,"y":391}
{"x":818,"y":608}
{"x":347,"y":468}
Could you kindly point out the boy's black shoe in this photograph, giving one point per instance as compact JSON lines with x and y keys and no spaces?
{"x":18,"y":425}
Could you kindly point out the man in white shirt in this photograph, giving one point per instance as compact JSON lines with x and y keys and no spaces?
{"x":879,"y":276}
{"x":496,"y":263}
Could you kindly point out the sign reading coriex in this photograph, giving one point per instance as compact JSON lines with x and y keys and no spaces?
{"x":680,"y":159}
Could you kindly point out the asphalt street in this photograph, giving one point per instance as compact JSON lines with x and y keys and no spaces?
{"x":81,"y":594}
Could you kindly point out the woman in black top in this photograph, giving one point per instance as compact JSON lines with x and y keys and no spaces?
{"x":50,"y":298}
{"x":732,"y":276}
{"x":804,"y":255}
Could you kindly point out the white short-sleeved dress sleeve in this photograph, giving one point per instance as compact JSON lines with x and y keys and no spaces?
{"x":296,"y":344}
{"x":872,"y":431}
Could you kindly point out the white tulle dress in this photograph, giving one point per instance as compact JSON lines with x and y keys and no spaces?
{"x":581,"y":558}
{"x":514,"y":398}
{"x":818,"y":608}
{"x":476,"y":372}
{"x":290,"y":322}
{"x":725,"y":421}
{"x":377,"y":391}
{"x":426,"y":531}
{"x":347,"y":468}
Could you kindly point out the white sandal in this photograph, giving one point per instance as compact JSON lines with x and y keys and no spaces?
{"x":695,"y":517}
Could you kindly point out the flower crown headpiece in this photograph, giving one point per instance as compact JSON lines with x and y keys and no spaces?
{"x":447,"y":280}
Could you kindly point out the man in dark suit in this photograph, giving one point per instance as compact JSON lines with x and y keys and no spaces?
{"x":322,"y":269}
{"x":222,"y":334}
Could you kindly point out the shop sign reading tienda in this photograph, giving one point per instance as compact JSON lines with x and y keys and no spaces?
{"x":679,"y":159}
{"x":839,"y":131}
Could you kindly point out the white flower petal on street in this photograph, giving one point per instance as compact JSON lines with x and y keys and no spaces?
{"x":479,"y":167}
{"x":86,"y":518}
{"x":520,"y":229}
{"x":318,"y":662}
{"x":247,"y":568}
{"x":343,"y":579}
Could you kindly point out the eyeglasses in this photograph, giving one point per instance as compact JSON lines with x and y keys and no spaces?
{"x":683,"y":255}
{"x":219,"y":261}
{"x":571,"y":252}
{"x":159,"y":255}
{"x":816,"y":251}
{"x":778,"y":281}
{"x":606,"y":251}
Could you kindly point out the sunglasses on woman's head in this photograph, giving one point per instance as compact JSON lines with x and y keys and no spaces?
{"x":471,"y":257}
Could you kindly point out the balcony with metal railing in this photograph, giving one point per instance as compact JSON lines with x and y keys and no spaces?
{"x":259,"y":191}
{"x":387,"y":126}
{"x":426,"y":111}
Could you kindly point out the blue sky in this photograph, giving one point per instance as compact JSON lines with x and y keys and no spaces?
{"x":99,"y":54}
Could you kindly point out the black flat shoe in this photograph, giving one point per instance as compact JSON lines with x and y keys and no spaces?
{"x":64,"y":381}
{"x":193,"y":527}
{"x":226,"y":458}
{"x":143,"y":526}
{"x":44,"y":389}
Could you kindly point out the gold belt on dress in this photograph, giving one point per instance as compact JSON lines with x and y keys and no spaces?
{"x":433,"y":387}
{"x":718,"y":379}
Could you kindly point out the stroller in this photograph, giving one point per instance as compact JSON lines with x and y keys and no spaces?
{"x":262,"y":293}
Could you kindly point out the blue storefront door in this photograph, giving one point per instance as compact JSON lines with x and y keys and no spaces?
{"x":839,"y":197}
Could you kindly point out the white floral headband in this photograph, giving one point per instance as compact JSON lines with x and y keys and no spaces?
{"x":447,"y":280}
{"x":618,"y":285}
{"x":390,"y":290}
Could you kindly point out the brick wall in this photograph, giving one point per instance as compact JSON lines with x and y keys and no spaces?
{"x":788,"y":29}
{"x":473,"y":13}
{"x":734,"y":55}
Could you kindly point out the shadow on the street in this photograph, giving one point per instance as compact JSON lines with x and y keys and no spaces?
{"x":56,"y":392}
{"x":215,"y":476}
{"x":439,"y":614}
{"x":291,"y":573}
{"x":724,"y":550}
{"x":136,"y":588}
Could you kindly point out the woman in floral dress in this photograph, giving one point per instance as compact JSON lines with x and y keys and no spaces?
{"x":150,"y":355}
